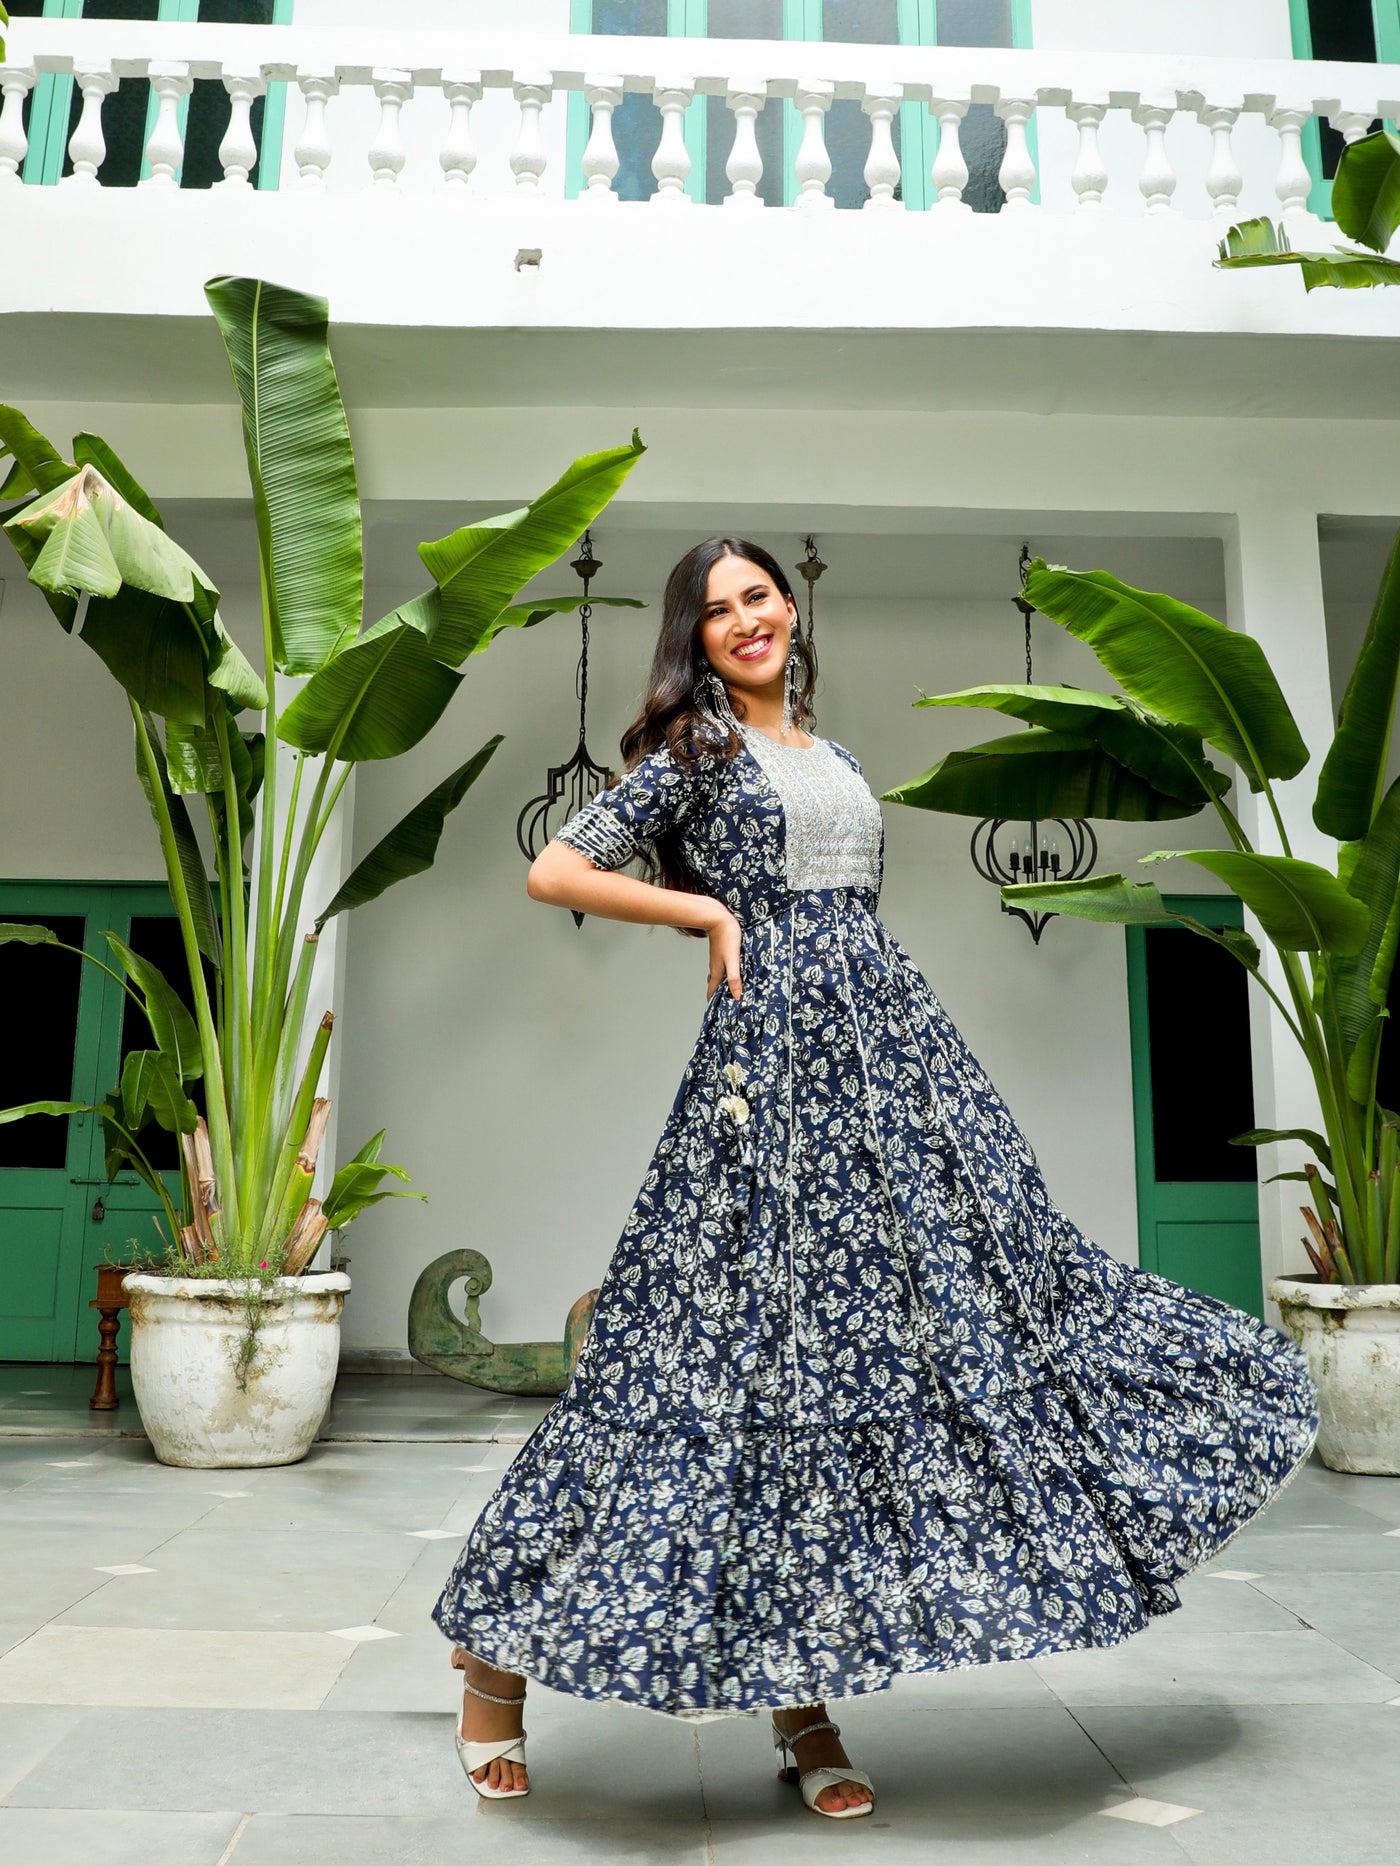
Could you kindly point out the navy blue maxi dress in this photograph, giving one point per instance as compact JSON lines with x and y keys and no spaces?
{"x":857,"y":1398}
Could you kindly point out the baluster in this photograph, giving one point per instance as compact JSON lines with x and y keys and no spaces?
{"x":1016,"y":175}
{"x":1223,"y":177}
{"x":1157,"y":182}
{"x":527,"y":160}
{"x":879,"y":103}
{"x":457,"y":158}
{"x":16,"y":82}
{"x":1351,"y":124}
{"x":813,"y":164}
{"x":1293,"y":182}
{"x":745,"y":97}
{"x":1089,"y":178}
{"x":165,"y":150}
{"x":87,"y":145}
{"x":950,"y":164}
{"x":239,"y":150}
{"x":671,"y":163}
{"x":604,"y":94}
{"x":313,"y":149}
{"x":386,"y":152}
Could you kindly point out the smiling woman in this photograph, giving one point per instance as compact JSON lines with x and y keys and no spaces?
{"x":857,"y":1398}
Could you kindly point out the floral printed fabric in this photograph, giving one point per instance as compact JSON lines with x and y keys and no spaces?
{"x":858,"y":1398}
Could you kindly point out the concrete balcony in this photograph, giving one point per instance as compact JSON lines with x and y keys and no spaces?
{"x":434,"y":183}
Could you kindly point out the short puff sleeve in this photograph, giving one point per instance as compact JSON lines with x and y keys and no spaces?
{"x":653,"y":797}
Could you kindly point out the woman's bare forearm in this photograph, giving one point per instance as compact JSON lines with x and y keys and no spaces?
{"x":562,"y":877}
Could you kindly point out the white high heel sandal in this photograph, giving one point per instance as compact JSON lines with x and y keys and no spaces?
{"x":813,"y":1781}
{"x":473,"y":1755}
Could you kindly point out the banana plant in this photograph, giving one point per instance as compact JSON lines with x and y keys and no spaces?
{"x":204,"y":720}
{"x":1188,"y":684}
{"x":1365,"y":205}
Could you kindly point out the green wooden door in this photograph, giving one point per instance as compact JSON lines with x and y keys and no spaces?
{"x":71,"y":1027}
{"x":1198,"y":1197}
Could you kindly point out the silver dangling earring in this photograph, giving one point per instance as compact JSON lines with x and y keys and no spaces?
{"x":712,"y":697}
{"x":790,"y":678}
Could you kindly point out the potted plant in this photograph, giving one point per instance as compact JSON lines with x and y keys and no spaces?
{"x":1140,"y":756}
{"x":235,"y":1346}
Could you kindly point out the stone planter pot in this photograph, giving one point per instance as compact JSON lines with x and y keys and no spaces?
{"x":185,"y":1337}
{"x":1350,"y":1333}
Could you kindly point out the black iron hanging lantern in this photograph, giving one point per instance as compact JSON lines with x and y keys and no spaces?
{"x":811,"y":568}
{"x":1055,"y":849}
{"x":579,"y":779}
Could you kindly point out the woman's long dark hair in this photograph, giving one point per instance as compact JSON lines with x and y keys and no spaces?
{"x":671,"y":715}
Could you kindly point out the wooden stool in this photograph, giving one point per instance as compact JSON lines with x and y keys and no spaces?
{"x":109,"y":1302}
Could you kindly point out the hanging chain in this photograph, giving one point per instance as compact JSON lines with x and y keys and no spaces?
{"x":587,"y":566}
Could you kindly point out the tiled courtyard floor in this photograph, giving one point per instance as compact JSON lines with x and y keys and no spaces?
{"x":199,"y":1668}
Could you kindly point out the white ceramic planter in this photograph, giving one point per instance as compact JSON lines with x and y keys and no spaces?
{"x":1350,"y":1333}
{"x":185,"y":1335}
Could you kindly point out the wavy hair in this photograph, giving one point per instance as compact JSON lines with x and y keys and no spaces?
{"x":671,"y":715}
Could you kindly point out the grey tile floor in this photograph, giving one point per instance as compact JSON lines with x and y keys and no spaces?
{"x":205,"y":1668}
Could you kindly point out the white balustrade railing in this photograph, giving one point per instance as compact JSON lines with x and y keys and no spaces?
{"x":1165,"y":97}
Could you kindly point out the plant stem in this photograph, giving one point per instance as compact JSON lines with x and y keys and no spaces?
{"x":216,"y":1105}
{"x":231,"y":860}
{"x":267,"y":808}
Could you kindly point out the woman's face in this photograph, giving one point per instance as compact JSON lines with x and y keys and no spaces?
{"x":745,"y":610}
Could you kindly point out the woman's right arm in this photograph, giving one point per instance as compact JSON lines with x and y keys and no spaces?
{"x":564,"y":877}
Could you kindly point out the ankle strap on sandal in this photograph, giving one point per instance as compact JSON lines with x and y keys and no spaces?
{"x":797,"y":1735}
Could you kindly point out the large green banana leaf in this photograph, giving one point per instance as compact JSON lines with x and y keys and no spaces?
{"x":153,"y":649}
{"x":91,"y":450}
{"x":1180,"y":663}
{"x":1164,"y":754}
{"x":300,"y":464}
{"x":1352,"y":778}
{"x":1370,"y":870}
{"x":37,"y":466}
{"x":1038,"y":773}
{"x":171,"y":1024}
{"x":1300,"y":906}
{"x":1260,"y":242}
{"x":1115,"y":899}
{"x":481,"y":567}
{"x":151,"y":1086}
{"x":1366,"y":191}
{"x":411,"y":845}
{"x":373,"y":699}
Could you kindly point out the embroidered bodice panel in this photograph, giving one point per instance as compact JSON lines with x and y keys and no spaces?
{"x":756,"y":830}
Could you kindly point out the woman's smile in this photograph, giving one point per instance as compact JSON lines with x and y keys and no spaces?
{"x":753,"y":650}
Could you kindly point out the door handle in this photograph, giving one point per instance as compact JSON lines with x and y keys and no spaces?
{"x":122,"y":1179}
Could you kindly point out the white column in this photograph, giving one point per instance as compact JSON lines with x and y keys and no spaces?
{"x":600,"y":163}
{"x":533,"y":91}
{"x":745,"y":97}
{"x":1157,"y":181}
{"x":671,"y":162}
{"x":87,"y":145}
{"x":1273,"y":582}
{"x":882,"y":164}
{"x":238,"y":151}
{"x":165,"y":150}
{"x":1293,"y":182}
{"x":16,"y":82}
{"x":813,"y":165}
{"x":1223,"y":177}
{"x":457,"y":157}
{"x":1352,"y":124}
{"x":1017,"y":172}
{"x":1089,"y":177}
{"x":386,"y":152}
{"x":313,"y":146}
{"x":950,"y":164}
